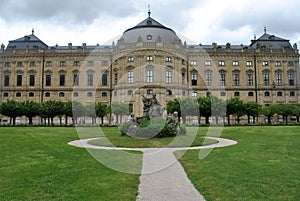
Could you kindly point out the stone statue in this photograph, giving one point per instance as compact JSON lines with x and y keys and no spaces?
{"x":172,"y":120}
{"x":152,"y":107}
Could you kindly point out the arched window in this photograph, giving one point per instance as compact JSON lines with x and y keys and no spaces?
{"x":5,"y":94}
{"x":47,"y":94}
{"x":279,"y":93}
{"x":250,"y":93}
{"x":18,"y":94}
{"x":31,"y":94}
{"x":267,"y":93}
{"x":292,"y":93}
{"x":129,"y":92}
{"x":169,"y":92}
{"x":223,"y":93}
{"x":75,"y":94}
{"x":149,"y":91}
{"x":236,"y":93}
{"x":194,"y":94}
{"x":61,"y":94}
{"x":104,"y":94}
{"x":89,"y":94}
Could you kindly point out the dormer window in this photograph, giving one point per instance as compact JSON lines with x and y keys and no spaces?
{"x":149,"y":37}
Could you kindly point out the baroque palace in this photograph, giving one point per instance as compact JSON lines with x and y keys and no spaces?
{"x":150,"y":58}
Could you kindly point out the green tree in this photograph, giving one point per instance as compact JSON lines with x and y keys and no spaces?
{"x":51,"y":109}
{"x":218,"y":108}
{"x":285,"y":110}
{"x":174,"y":106}
{"x":235,"y":106}
{"x":188,"y":107}
{"x":296,"y":111}
{"x":30,"y":109}
{"x":90,"y":111}
{"x":11,"y":109}
{"x":252,"y":109}
{"x":78,"y":110}
{"x":269,"y":111}
{"x":204,"y":104}
{"x":101,"y":111}
{"x":120,"y":109}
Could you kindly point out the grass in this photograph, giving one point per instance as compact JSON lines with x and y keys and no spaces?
{"x":113,"y":138}
{"x":37,"y":164}
{"x":263,"y":166}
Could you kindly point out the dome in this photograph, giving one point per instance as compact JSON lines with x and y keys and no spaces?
{"x":149,"y":30}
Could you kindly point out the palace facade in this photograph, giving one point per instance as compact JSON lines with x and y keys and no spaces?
{"x":150,"y":58}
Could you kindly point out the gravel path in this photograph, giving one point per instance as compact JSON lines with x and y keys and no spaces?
{"x":162,"y":178}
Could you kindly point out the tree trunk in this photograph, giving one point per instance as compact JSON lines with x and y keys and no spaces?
{"x":60,"y":121}
{"x":10,"y":120}
{"x":199,"y":120}
{"x":184,"y":119}
{"x":286,"y":119}
{"x":228,"y":119}
{"x":52,"y":124}
{"x":207,"y":120}
{"x":66,"y":120}
{"x":30,"y":120}
{"x":14,"y":121}
{"x":298,"y":118}
{"x":238,"y":119}
{"x":269,"y":120}
{"x":102,"y":120}
{"x":248,"y":116}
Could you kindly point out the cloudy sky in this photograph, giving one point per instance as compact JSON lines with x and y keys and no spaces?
{"x":98,"y":21}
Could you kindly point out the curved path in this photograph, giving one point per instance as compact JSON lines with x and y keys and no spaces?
{"x":162,"y":178}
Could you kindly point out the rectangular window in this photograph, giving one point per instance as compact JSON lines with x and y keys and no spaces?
{"x":168,"y":59}
{"x":291,"y":79}
{"x":265,"y":63}
{"x":104,"y":63}
{"x":62,"y":80}
{"x":249,"y":63}
{"x":76,"y":79}
{"x":193,"y":63}
{"x":48,"y":63}
{"x":235,"y":63}
{"x":277,"y":63}
{"x":62,"y":63}
{"x":48,"y":80}
{"x":7,"y":64}
{"x":182,"y":78}
{"x":207,"y":63}
{"x":236,"y":79}
{"x":168,"y":76}
{"x":6,"y":80}
{"x":208,"y":79}
{"x":130,"y":77}
{"x":221,"y":63}
{"x":116,"y":79}
{"x":149,"y":75}
{"x":76,"y":63}
{"x":90,"y":80}
{"x":266,"y":79}
{"x":104,"y":79}
{"x":20,"y":64}
{"x":130,"y":59}
{"x":278,"y":79}
{"x":222,"y":79}
{"x":32,"y":63}
{"x":31,"y":80}
{"x":19,"y":80}
{"x":250,"y":79}
{"x":149,"y":58}
{"x":290,"y":63}
{"x":194,"y":79}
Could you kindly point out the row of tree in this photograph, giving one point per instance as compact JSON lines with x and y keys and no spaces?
{"x":215,"y":107}
{"x":50,"y":109}
{"x":201,"y":107}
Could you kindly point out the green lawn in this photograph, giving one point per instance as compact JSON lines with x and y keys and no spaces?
{"x":37,"y":164}
{"x":264,"y":165}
